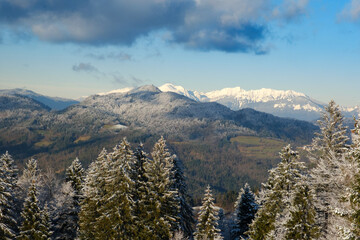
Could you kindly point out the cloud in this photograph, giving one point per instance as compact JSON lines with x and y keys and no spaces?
{"x":134,"y":81}
{"x":84,"y":67}
{"x":120,"y":56}
{"x":291,"y":10}
{"x":93,"y":22}
{"x":351,"y":12}
{"x":224,"y":25}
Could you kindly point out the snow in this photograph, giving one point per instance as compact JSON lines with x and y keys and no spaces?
{"x":122,"y":90}
{"x":261,"y":95}
{"x":118,"y":126}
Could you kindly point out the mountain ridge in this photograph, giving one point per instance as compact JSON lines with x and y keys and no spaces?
{"x":54,"y":103}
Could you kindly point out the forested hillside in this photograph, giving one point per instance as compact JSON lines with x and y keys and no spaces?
{"x":127,"y":193}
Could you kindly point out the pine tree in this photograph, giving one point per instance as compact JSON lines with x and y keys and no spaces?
{"x":186,"y":215}
{"x":34,"y":225}
{"x":116,"y":219}
{"x":162,"y":206}
{"x":207,"y":226}
{"x":271,"y":217}
{"x":245,"y":210}
{"x":302,"y":225}
{"x":93,"y":196}
{"x":66,"y":221}
{"x":8,"y":179}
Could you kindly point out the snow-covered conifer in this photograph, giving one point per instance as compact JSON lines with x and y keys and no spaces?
{"x":186,"y":215}
{"x":45,"y":223}
{"x":162,"y":201}
{"x":67,"y":203}
{"x":75,"y":176}
{"x":30,"y":175}
{"x":331,"y":174}
{"x":302,"y":222}
{"x":245,"y":210}
{"x":8,"y":179}
{"x":274,"y":211}
{"x":93,"y":196}
{"x":355,"y":188}
{"x":141,"y":193}
{"x":33,"y":225}
{"x":116,"y":219}
{"x":332,"y":136}
{"x":207,"y":226}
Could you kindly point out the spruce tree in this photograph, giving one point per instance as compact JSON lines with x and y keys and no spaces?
{"x":116,"y":219}
{"x":46,"y":224}
{"x":207,"y":226}
{"x":355,"y":193}
{"x":141,"y":193}
{"x":8,"y":179}
{"x":332,"y":136}
{"x":186,"y":215}
{"x":34,"y":225}
{"x":245,"y":210}
{"x":75,"y":176}
{"x":66,"y":221}
{"x":162,"y":206}
{"x":328,"y":179}
{"x":302,"y":225}
{"x":93,"y":197}
{"x":271,"y":217}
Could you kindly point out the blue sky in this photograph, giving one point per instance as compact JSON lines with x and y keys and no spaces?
{"x":77,"y":48}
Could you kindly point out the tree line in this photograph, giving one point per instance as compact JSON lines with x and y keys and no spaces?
{"x":129,"y":194}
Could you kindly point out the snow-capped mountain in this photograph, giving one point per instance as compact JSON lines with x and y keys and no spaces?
{"x":282,"y":103}
{"x":277,"y":102}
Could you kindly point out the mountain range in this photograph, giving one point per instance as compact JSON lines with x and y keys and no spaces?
{"x":233,"y":147}
{"x":281,"y":103}
{"x":289,"y":103}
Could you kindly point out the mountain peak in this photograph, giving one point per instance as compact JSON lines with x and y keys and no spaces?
{"x":146,"y":88}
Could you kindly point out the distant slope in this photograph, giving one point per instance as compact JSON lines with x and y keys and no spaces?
{"x":54,"y":103}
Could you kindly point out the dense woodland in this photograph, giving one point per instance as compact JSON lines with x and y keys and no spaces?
{"x":127,"y":193}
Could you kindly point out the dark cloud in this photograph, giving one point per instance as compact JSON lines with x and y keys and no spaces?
{"x":93,"y":22}
{"x":243,"y":38}
{"x":84,"y":67}
{"x":224,"y":25}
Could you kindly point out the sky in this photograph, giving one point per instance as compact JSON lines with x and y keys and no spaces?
{"x":77,"y":48}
